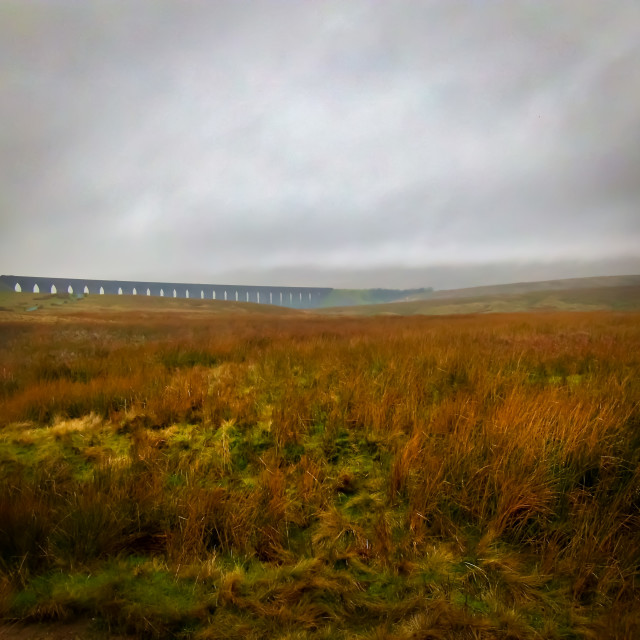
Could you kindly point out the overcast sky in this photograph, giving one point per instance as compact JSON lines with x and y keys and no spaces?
{"x":332,"y":143}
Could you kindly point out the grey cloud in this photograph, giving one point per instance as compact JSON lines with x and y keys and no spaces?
{"x":161,"y":139}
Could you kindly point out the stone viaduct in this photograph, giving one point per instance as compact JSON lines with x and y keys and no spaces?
{"x":295,"y":297}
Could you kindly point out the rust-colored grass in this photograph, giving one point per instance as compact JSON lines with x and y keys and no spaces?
{"x":238,"y":476}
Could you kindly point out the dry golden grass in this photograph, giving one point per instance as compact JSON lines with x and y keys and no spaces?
{"x":303,"y":477}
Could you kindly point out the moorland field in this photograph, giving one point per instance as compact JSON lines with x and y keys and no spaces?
{"x":194,"y":473}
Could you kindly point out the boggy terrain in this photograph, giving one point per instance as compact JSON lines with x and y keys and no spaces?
{"x":238,"y":476}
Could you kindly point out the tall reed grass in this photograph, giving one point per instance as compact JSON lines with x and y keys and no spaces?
{"x":461,"y":477}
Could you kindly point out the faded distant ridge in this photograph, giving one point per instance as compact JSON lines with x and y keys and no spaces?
{"x":616,"y":293}
{"x":527,"y":287}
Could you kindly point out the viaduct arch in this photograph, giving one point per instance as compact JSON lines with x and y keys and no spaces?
{"x":293,"y":297}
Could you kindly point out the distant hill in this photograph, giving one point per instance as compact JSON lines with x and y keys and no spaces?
{"x":576,"y":294}
{"x":613,"y":298}
{"x":527,"y":287}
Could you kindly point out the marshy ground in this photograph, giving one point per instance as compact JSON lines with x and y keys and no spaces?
{"x":229,"y":475}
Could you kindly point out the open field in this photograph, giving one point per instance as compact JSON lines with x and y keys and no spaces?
{"x":188,"y":474}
